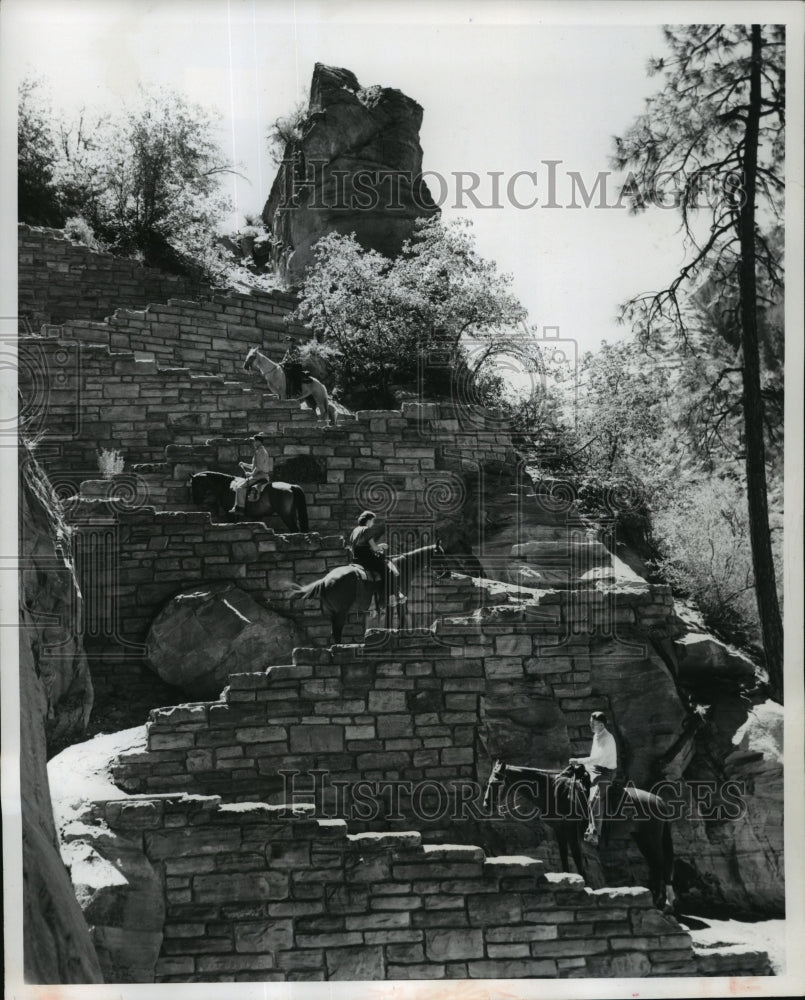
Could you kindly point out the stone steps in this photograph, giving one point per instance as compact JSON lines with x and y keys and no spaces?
{"x":323,"y":902}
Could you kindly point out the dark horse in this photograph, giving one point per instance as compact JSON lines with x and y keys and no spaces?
{"x":348,"y":586}
{"x":561,"y":798}
{"x":212,"y":490}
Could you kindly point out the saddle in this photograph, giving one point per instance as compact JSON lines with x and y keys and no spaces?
{"x":254,"y":492}
{"x":367,"y":575}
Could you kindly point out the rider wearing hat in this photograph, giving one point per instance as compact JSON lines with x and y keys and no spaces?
{"x":601,"y":765}
{"x":259,"y":471}
{"x":365,"y":551}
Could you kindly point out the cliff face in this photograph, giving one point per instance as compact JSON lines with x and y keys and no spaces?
{"x":55,"y":701}
{"x":356,"y":168}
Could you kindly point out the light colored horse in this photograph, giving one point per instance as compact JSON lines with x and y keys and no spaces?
{"x":314,"y":390}
{"x":274,"y":374}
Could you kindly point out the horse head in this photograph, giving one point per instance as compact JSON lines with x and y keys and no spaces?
{"x":250,"y":359}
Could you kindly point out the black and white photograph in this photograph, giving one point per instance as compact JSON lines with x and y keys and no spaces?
{"x":401,"y":448}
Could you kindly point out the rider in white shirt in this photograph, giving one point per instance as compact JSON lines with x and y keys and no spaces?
{"x":601,"y":766}
{"x":259,"y":471}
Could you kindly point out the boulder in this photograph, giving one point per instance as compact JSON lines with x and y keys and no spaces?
{"x":704,"y":663}
{"x":355,"y":144}
{"x":203,"y":635}
{"x":118,"y":889}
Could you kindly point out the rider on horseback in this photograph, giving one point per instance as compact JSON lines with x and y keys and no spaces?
{"x":365,"y":551}
{"x":601,"y":766}
{"x":259,"y":471}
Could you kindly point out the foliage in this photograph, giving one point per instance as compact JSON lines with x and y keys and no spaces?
{"x":287,"y":130}
{"x":37,"y":156}
{"x":703,"y":536}
{"x":719,"y":123}
{"x":690,"y":144}
{"x":79,"y":229}
{"x":110,"y":462}
{"x":146,"y":180}
{"x":392,"y":319}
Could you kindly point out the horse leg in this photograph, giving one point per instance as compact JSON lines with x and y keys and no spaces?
{"x":668,"y":865}
{"x":652,"y":852}
{"x":338,"y":620}
{"x":575,"y":847}
{"x":561,"y":840}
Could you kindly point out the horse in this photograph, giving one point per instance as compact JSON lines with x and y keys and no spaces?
{"x":213,"y":490}
{"x":562,"y":800}
{"x":308,"y":390}
{"x":346,"y":586}
{"x":274,"y":373}
{"x":316,"y":395}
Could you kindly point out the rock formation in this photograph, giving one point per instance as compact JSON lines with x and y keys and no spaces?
{"x":203,"y":635}
{"x":55,"y":700}
{"x":356,"y":167}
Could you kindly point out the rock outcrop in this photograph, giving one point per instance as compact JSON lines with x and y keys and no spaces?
{"x":205,"y":634}
{"x":356,"y":167}
{"x":117,"y":888}
{"x":55,"y":701}
{"x":731,"y":849}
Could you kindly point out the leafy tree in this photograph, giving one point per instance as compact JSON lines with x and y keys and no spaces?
{"x":146,"y":180}
{"x":718,"y":123}
{"x":37,"y":155}
{"x":386,"y":317}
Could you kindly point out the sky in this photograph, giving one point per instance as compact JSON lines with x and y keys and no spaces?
{"x":502,"y":89}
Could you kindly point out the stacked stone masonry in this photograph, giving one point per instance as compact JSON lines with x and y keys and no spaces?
{"x":253,"y":891}
{"x":84,"y":398}
{"x":405,"y":708}
{"x":102,"y":299}
{"x":265,"y":893}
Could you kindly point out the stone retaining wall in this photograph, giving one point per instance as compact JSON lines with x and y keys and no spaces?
{"x":261,"y":893}
{"x":185,"y":322}
{"x":81,"y":398}
{"x":404,"y":708}
{"x":59,"y":280}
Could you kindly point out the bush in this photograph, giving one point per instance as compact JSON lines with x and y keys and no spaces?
{"x":79,"y":229}
{"x":704,"y":537}
{"x":110,"y":462}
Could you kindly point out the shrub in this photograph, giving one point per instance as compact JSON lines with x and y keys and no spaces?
{"x":79,"y":229}
{"x":110,"y":462}
{"x":706,"y":554}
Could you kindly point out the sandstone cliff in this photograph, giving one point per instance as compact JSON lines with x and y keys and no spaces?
{"x":356,"y":168}
{"x":55,"y":701}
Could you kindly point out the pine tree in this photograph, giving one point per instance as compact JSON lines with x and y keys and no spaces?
{"x":714,"y":135}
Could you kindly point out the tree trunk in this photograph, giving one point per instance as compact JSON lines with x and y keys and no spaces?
{"x":762,"y":558}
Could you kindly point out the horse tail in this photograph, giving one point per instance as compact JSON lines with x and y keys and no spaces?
{"x":300,"y":506}
{"x":311,"y":590}
{"x":332,"y":413}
